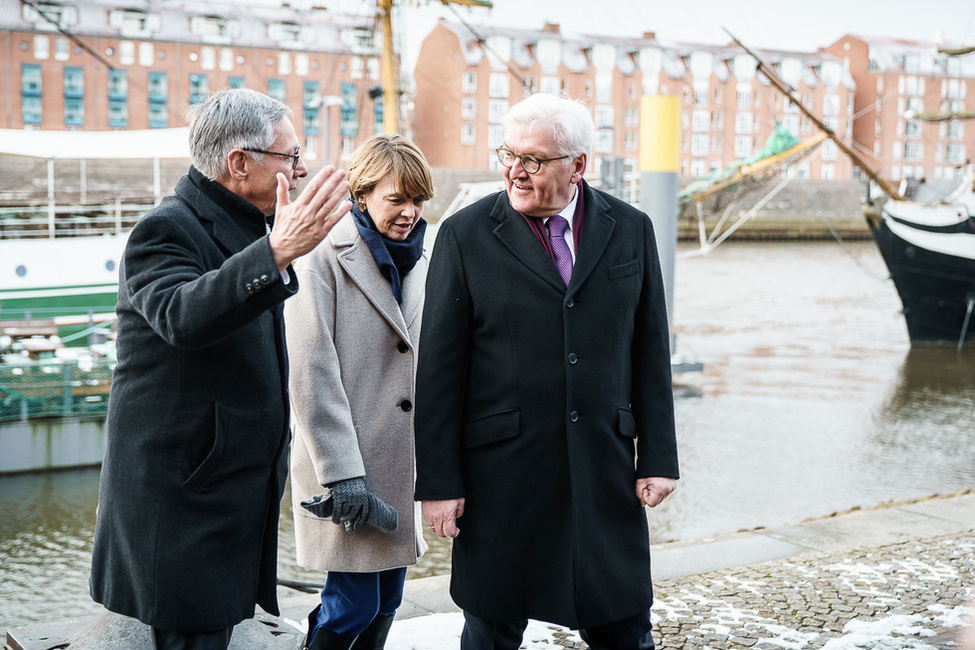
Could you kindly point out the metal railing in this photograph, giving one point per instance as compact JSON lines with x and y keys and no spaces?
{"x":54,"y":389}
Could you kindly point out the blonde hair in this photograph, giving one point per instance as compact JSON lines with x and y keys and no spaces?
{"x":385,"y":155}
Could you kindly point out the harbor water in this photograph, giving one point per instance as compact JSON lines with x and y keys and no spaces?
{"x":811,"y":402}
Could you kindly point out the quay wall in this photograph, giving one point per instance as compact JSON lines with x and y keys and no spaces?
{"x":51,"y":443}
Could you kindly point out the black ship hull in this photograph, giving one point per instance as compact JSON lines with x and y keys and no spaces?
{"x":933,"y":269}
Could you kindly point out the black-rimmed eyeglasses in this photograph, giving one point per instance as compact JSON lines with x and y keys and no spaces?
{"x":530,"y":163}
{"x":294,"y":156}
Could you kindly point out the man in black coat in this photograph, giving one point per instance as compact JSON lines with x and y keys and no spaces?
{"x":544,"y":405}
{"x":195,"y":464}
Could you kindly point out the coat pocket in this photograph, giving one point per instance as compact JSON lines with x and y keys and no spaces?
{"x":493,"y":428}
{"x":623,"y":270}
{"x":205,"y":469}
{"x":627,"y":423}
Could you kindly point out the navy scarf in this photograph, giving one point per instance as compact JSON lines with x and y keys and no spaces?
{"x":394,"y":258}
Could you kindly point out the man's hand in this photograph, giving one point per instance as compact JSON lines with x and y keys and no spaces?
{"x":651,"y":491}
{"x":442,"y":516}
{"x":300,"y":226}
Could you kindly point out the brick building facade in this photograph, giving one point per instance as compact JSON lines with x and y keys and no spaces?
{"x":98,"y":65}
{"x":467,"y":77}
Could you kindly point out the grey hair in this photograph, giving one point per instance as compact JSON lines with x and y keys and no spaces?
{"x":570,"y":120}
{"x":232,"y":119}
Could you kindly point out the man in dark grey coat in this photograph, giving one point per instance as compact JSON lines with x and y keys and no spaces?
{"x":544,"y":407}
{"x":195,"y":464}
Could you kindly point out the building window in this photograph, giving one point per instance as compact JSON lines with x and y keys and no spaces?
{"x":118,"y":85}
{"x":497,"y":109}
{"x":549,"y":85}
{"x":42,"y":48}
{"x":30,"y":80}
{"x":604,"y":116}
{"x":743,"y":123}
{"x":495,"y":140}
{"x":913,"y":151}
{"x":74,"y":112}
{"x":199,"y":88}
{"x":499,"y":85}
{"x":604,"y":141}
{"x":126,"y":52}
{"x":147,"y":54}
{"x":956,"y":153}
{"x":157,"y":87}
{"x":275,"y":89}
{"x":208,"y":57}
{"x":74,"y":83}
{"x":313,"y":121}
{"x":158,"y":116}
{"x":380,"y":114}
{"x":699,"y":145}
{"x":700,"y":120}
{"x":743,"y":146}
{"x":468,"y":108}
{"x":744,"y":98}
{"x":467,"y":134}
{"x":62,"y":49}
{"x":227,"y":60}
{"x":236,"y":82}
{"x":31,"y":110}
{"x":118,"y":113}
{"x":350,"y":107}
{"x":312,"y":96}
{"x":468,"y":83}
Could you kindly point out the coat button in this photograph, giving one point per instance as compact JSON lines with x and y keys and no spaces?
{"x":249,"y":287}
{"x":573,"y":358}
{"x":570,"y":303}
{"x":265,"y":279}
{"x":574,"y":416}
{"x":406,"y":405}
{"x":402,"y":346}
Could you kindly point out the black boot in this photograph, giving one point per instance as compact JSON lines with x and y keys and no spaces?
{"x":374,"y":636}
{"x":325,"y":639}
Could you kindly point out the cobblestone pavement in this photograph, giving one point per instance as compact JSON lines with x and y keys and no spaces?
{"x":904,"y":596}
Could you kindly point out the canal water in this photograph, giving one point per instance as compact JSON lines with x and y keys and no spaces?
{"x":811,"y":402}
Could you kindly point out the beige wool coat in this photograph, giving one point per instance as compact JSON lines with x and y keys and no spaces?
{"x":352,"y":351}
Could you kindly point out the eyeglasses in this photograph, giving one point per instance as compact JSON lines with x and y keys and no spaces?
{"x":294,"y":156}
{"x":529,"y":162}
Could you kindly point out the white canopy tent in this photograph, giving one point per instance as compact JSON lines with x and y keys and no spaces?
{"x":154,"y":144}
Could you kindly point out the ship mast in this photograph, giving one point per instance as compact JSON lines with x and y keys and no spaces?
{"x":781,"y":85}
{"x":388,"y":69}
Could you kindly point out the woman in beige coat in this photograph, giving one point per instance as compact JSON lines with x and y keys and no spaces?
{"x":352,"y":332}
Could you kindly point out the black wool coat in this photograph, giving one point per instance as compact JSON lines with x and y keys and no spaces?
{"x":541,"y":405}
{"x":195,"y":464}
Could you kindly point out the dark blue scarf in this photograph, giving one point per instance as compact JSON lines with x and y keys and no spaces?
{"x":394,"y":258}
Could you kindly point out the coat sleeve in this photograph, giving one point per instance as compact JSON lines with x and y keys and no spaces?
{"x":320,"y":408}
{"x":186,"y":303}
{"x":653,"y":394}
{"x":442,"y":372}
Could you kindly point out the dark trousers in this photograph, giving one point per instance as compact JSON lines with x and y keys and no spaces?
{"x":351,"y":600}
{"x":629,"y":634}
{"x":177,"y":640}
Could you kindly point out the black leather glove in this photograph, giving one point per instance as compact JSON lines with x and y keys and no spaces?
{"x":350,"y":503}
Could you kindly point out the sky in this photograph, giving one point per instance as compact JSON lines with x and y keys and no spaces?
{"x":783,"y":24}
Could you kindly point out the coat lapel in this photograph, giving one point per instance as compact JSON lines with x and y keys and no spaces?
{"x":518,"y":238}
{"x":226,"y":232}
{"x":597,"y":229}
{"x":356,"y":259}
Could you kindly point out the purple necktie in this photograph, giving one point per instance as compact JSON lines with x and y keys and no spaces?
{"x":563,"y":257}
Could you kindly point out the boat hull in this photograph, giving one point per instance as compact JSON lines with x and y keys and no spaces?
{"x":935,"y":287}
